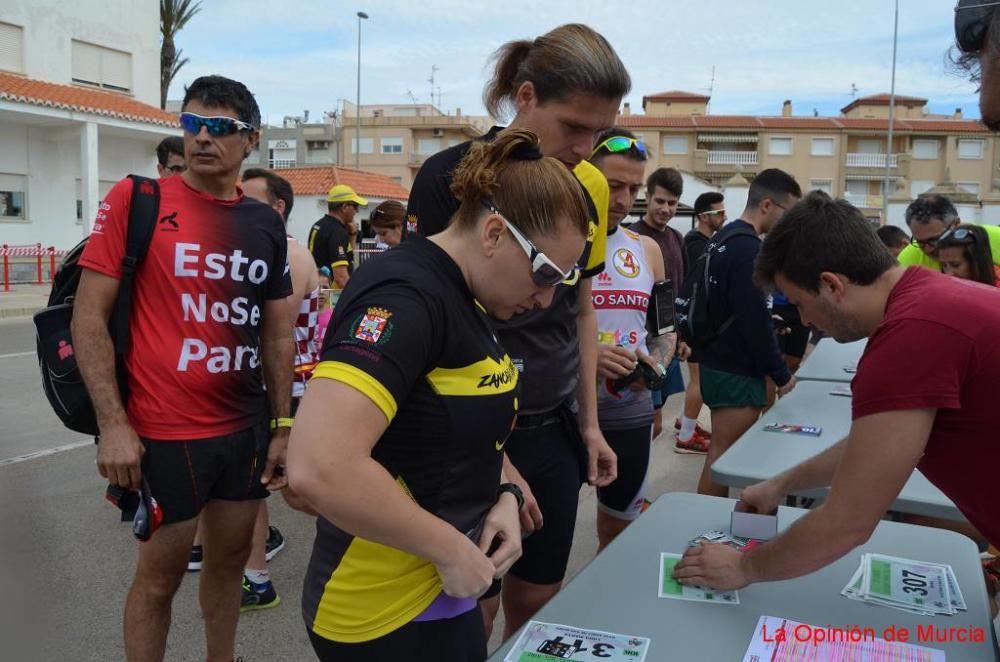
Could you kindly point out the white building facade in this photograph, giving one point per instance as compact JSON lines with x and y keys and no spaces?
{"x":79,"y":110}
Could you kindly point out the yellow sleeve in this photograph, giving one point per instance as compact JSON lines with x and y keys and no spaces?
{"x":597,"y":236}
{"x":993,"y":232}
{"x":361,"y":381}
{"x":912,"y":256}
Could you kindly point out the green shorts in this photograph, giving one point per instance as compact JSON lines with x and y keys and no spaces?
{"x":721,"y":389}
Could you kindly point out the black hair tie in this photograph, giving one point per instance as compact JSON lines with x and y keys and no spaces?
{"x":525,"y":151}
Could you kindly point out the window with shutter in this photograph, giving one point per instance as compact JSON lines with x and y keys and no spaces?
{"x":11,"y":47}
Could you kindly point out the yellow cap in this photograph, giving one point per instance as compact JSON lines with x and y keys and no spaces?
{"x":344,"y":193}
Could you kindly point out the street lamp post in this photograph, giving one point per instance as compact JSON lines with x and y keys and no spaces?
{"x":357,"y":126}
{"x":887,"y":182}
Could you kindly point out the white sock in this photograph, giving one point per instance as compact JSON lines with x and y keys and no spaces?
{"x":257,"y":576}
{"x":688,"y":426}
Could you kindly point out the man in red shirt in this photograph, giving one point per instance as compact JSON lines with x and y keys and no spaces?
{"x":924,"y":395}
{"x":208,"y":311}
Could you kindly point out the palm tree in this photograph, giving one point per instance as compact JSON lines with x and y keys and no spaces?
{"x":174,"y":15}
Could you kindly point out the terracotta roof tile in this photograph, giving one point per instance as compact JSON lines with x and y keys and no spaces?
{"x":947,"y":126}
{"x":749,"y":122}
{"x":676,"y":95}
{"x":726,"y":121}
{"x":318,"y":180}
{"x":80,"y":99}
{"x":883,"y":100}
{"x":646,"y":120}
{"x":799,"y":123}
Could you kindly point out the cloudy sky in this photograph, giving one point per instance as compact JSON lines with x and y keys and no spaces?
{"x":302,"y":54}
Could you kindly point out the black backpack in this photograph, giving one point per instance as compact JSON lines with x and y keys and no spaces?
{"x":691,"y":305}
{"x":61,"y":379}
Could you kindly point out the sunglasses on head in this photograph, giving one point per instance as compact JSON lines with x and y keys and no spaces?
{"x":958,"y":234}
{"x":544,"y":272}
{"x":618,"y":144}
{"x":217,"y":126}
{"x":972,"y":22}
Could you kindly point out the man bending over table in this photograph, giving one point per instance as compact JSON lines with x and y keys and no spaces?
{"x":924,"y":396}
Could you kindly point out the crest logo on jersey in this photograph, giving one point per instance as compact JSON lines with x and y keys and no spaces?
{"x":625,"y":263}
{"x":374,"y":326}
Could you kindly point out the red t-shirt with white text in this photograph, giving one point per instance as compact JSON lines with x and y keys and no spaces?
{"x":939,"y":347}
{"x":198,"y":297}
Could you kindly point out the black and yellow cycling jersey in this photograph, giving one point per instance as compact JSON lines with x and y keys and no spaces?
{"x":330,"y":244}
{"x":543,"y":342}
{"x":410,"y":336}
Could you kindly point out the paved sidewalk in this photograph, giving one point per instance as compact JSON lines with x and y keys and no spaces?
{"x":23,"y":300}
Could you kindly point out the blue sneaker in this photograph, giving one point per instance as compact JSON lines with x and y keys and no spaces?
{"x":258,"y":596}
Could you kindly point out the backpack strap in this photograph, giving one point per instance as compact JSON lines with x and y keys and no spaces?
{"x":143,"y":210}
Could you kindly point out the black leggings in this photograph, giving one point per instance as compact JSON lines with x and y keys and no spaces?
{"x":458,"y":639}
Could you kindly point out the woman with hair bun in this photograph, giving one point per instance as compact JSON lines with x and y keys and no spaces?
{"x":398,"y":443}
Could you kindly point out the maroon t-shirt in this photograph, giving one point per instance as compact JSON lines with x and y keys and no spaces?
{"x":671,"y":245}
{"x":939,"y":347}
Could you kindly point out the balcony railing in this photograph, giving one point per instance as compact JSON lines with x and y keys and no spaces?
{"x":282,"y":163}
{"x":729,"y":157}
{"x":858,"y":160}
{"x":864,"y":201}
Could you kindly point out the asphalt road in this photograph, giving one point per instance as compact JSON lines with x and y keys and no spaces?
{"x":68,"y":562}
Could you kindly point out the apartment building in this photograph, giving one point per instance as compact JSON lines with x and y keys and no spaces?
{"x":394,"y":140}
{"x":79,"y":95}
{"x":846,"y":156}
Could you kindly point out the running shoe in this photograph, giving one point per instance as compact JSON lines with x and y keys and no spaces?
{"x":275,"y":542}
{"x":258,"y":596}
{"x":194,"y":562}
{"x":697,"y":429}
{"x":696,"y":445}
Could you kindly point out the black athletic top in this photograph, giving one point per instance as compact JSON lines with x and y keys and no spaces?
{"x":330,"y":244}
{"x":543,"y":343}
{"x":411,"y":337}
{"x":695,"y":244}
{"x":749,"y":347}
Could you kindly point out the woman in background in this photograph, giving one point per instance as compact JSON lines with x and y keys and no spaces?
{"x":964,"y":252}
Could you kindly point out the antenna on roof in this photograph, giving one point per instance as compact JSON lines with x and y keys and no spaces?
{"x":434,"y":70}
{"x":854,"y":90}
{"x":413,"y":97}
{"x":709,"y":89}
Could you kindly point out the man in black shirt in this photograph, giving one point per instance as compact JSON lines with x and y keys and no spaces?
{"x":566,"y":87}
{"x":709,"y":215}
{"x":330,"y":237}
{"x":735,"y":366}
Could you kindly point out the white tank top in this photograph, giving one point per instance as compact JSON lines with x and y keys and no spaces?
{"x":621,"y":296}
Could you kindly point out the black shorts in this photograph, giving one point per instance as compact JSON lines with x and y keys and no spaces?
{"x":623,"y":499}
{"x":185,"y":475}
{"x":549,"y":458}
{"x":792,"y":343}
{"x":458,"y":639}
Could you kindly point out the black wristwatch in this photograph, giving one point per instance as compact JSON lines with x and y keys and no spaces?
{"x":513,"y":489}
